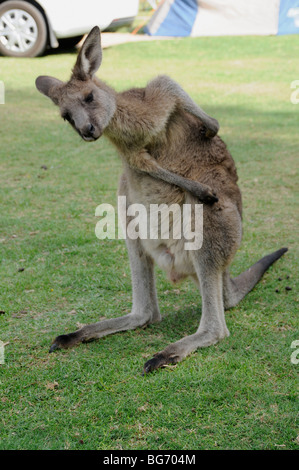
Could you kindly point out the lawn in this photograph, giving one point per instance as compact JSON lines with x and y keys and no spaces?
{"x":56,"y":275}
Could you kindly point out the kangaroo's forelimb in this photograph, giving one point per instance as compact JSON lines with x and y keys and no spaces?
{"x":144,"y":163}
{"x":177,"y":96}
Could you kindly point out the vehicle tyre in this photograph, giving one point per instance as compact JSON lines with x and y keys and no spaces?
{"x":23,"y":30}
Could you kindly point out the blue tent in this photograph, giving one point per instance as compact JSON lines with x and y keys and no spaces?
{"x":288,"y":17}
{"x":224,"y":18}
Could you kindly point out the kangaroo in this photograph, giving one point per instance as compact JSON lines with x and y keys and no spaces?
{"x":90,"y":121}
{"x":161,"y":135}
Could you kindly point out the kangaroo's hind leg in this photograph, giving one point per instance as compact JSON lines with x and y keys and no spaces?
{"x":221,"y":238}
{"x":212,"y":326}
{"x":145,"y":307}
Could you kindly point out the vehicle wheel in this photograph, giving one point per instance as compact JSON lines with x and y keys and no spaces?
{"x":23,"y":30}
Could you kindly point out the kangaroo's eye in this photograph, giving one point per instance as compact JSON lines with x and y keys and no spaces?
{"x":67,"y":117}
{"x":89,"y":98}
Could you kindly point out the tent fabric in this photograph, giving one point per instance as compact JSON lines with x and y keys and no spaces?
{"x":288,"y":17}
{"x":175,"y":18}
{"x":224,"y":18}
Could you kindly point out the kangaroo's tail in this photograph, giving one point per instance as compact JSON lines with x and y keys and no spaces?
{"x":235,"y":289}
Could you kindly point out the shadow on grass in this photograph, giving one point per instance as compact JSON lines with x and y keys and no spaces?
{"x":66,"y":46}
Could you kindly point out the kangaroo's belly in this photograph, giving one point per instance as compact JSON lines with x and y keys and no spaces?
{"x":171,"y":257}
{"x":172,"y":234}
{"x":169,"y":230}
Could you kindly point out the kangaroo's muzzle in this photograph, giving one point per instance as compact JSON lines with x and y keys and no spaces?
{"x":90,"y":133}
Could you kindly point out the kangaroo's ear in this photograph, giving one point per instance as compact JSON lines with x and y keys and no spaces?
{"x":90,"y":56}
{"x":48,"y":86}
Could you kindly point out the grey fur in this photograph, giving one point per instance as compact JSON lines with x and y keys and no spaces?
{"x":164,"y":139}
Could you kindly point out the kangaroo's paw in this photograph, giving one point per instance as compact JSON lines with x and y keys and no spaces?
{"x":209,"y":198}
{"x":203,"y":192}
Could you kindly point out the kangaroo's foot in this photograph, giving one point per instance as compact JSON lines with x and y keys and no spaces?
{"x":65,"y":341}
{"x":103,"y":328}
{"x":176,"y":352}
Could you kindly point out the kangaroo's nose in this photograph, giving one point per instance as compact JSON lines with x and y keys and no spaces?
{"x":91,"y":129}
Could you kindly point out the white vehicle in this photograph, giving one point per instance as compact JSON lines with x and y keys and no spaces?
{"x":28,"y":27}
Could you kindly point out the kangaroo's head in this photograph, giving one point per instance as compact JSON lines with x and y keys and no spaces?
{"x":84,"y":101}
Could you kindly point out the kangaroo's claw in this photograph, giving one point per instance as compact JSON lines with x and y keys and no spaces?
{"x":64,"y":342}
{"x":210,"y":198}
{"x":203,"y":193}
{"x":159,"y":360}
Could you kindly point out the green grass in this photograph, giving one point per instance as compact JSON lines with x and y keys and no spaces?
{"x":239,"y":394}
